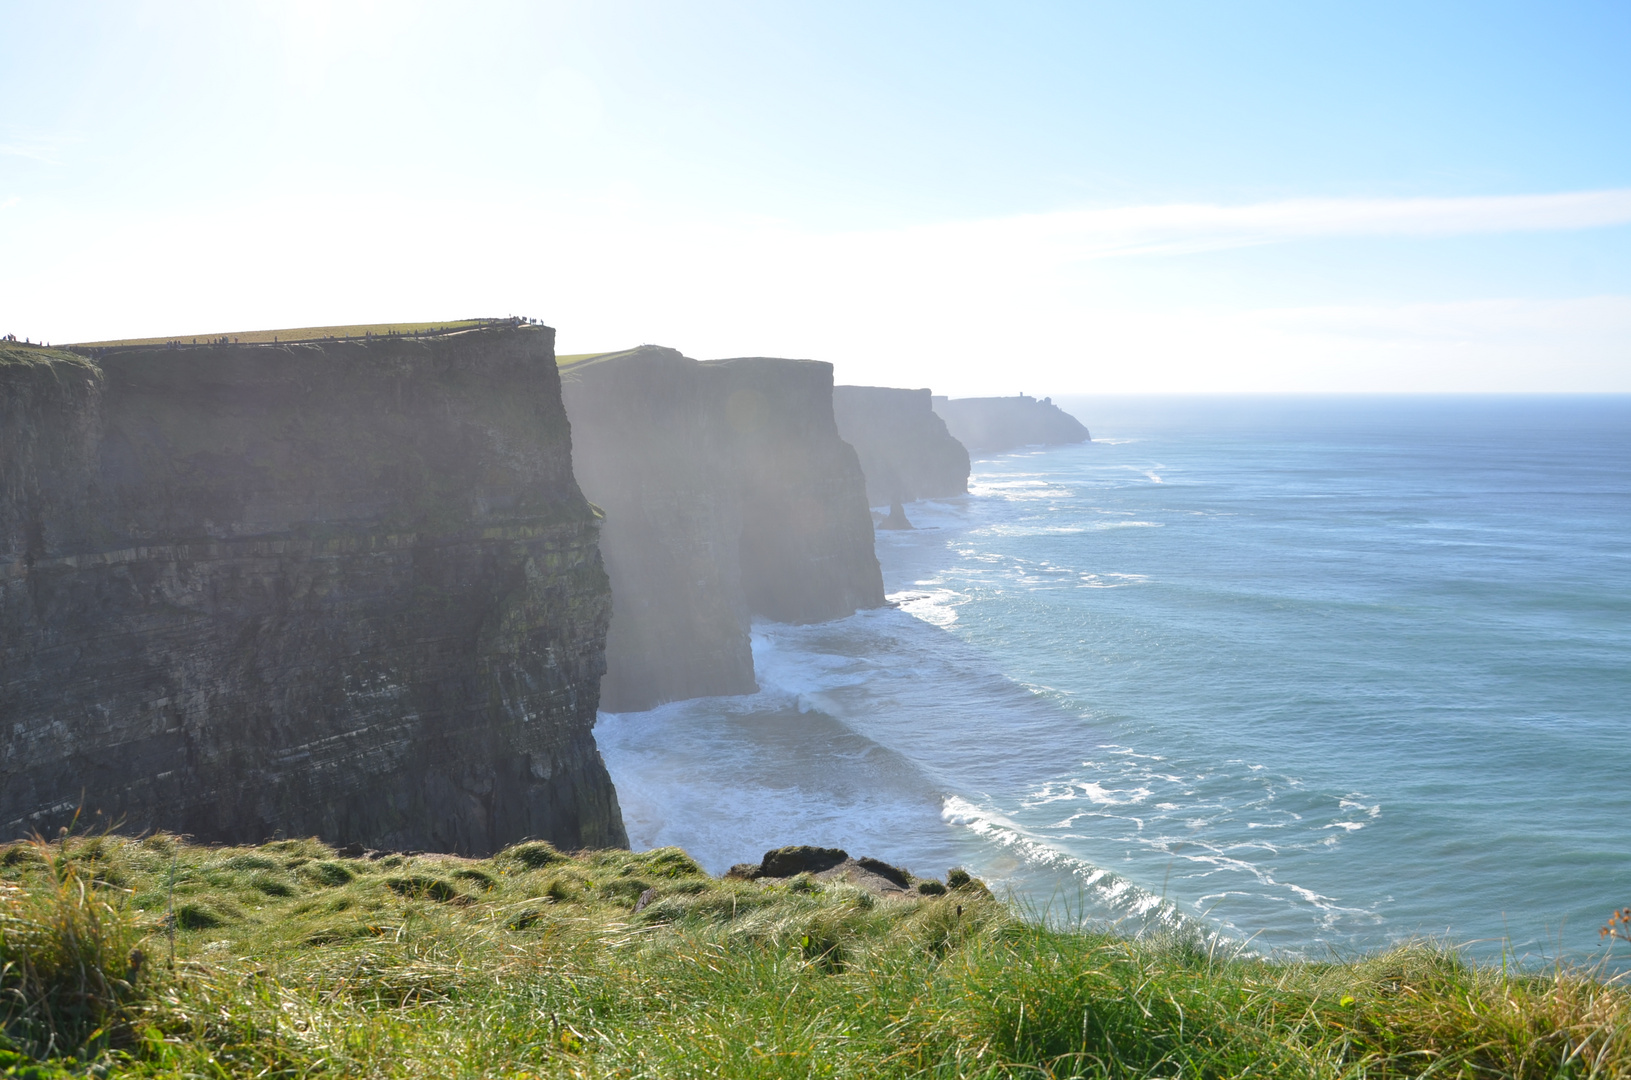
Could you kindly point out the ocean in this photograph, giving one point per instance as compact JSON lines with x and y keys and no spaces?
{"x":1310,"y":674}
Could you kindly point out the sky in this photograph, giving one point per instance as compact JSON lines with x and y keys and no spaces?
{"x":985,"y":199}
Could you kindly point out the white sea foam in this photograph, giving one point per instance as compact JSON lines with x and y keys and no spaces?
{"x":1037,"y":530}
{"x":1106,"y":896}
{"x":938,"y":607}
{"x":1015,"y":489}
{"x":1147,"y":472}
{"x":1099,"y":794}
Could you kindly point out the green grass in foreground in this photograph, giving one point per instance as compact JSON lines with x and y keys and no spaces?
{"x":294,"y":334}
{"x":294,"y":962}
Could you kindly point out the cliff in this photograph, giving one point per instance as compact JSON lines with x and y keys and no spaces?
{"x":346,"y":589}
{"x":727,"y":494}
{"x":989,"y":425}
{"x":904,"y":447}
{"x":807,"y":542}
{"x":652,"y":448}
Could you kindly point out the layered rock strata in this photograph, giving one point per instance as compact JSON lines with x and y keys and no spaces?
{"x":905,"y":449}
{"x":728,"y":494}
{"x":349,"y":590}
{"x":991,"y":425}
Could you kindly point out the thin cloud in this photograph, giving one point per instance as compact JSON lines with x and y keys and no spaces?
{"x":47,"y":150}
{"x":1182,"y":228}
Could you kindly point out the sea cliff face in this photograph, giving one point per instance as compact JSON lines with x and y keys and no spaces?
{"x":727,"y":494}
{"x":807,"y":541}
{"x":904,"y":447}
{"x":989,"y":425}
{"x":653,"y":448}
{"x":347,"y":589}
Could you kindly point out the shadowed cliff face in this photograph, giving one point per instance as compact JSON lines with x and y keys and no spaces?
{"x":727,"y":494}
{"x":653,"y":449}
{"x":905,"y":450}
{"x":807,"y":542}
{"x":988,"y":425}
{"x":348,"y":589}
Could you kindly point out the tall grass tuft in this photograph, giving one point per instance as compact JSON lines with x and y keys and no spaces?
{"x":70,"y":968}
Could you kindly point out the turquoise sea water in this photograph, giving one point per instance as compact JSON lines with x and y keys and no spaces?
{"x":1317,"y":673}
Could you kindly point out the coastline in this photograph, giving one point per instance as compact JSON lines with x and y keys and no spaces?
{"x":1192,"y":731}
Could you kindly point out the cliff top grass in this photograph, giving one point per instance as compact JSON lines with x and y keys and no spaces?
{"x":18,"y":354}
{"x":299,"y":334}
{"x":571,"y":359}
{"x":292,"y":960}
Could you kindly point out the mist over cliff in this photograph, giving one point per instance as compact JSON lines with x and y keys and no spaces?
{"x":807,"y":541}
{"x":348,"y":589}
{"x":728,"y":494}
{"x":652,"y":447}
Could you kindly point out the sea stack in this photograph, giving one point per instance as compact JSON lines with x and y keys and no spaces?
{"x":895,"y":520}
{"x":344,"y":589}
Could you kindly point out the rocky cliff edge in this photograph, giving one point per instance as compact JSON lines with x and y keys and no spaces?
{"x":343,"y":589}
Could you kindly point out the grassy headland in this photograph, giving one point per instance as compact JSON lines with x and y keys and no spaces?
{"x":577,"y":358}
{"x":292,"y":961}
{"x":13,"y":354}
{"x":297,"y":334}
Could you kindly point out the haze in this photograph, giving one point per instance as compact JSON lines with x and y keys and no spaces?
{"x":1058,"y":199}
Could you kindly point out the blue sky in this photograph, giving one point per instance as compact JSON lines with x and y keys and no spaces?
{"x":1055,"y":198}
